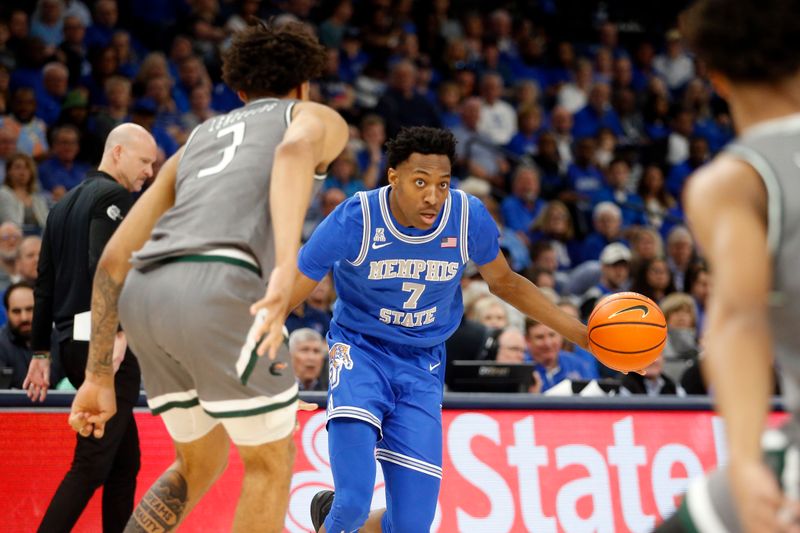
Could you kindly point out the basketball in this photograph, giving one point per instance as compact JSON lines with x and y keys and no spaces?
{"x":627,"y":331}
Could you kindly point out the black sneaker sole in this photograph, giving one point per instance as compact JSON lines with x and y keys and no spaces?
{"x":320,"y":507}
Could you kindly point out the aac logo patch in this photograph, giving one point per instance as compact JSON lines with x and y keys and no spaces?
{"x":276,"y":368}
{"x":339,"y":355}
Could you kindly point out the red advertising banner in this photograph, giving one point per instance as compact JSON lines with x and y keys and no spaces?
{"x":504,"y":471}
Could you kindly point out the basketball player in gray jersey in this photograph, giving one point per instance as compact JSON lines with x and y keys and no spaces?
{"x":222,"y":219}
{"x":744,"y":208}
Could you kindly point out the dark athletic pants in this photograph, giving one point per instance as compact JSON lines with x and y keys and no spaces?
{"x":111,"y":462}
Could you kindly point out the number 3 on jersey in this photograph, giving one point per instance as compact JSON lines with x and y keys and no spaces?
{"x":228,"y":152}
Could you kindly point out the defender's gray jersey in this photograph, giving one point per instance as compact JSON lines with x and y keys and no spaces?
{"x":773,"y":150}
{"x":222,"y":187}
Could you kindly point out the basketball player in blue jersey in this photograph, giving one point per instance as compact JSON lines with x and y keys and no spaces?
{"x":397,"y":255}
{"x":744,"y":208}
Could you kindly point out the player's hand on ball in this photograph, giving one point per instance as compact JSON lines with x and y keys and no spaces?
{"x":94,"y":404}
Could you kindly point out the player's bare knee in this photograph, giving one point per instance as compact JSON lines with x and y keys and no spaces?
{"x":204,"y":460}
{"x":273,"y":458}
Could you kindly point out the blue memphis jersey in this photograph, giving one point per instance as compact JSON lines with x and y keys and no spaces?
{"x":399,"y":284}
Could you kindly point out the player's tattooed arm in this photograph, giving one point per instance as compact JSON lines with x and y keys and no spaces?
{"x":105,"y":320}
{"x":162,"y":507}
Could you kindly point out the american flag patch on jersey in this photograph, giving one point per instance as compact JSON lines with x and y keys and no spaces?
{"x":449,"y":242}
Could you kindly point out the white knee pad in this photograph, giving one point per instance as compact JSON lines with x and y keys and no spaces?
{"x":187,"y":425}
{"x":260,"y":429}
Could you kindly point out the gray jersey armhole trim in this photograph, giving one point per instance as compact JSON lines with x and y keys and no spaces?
{"x":773,"y":186}
{"x":191,"y":136}
{"x":320,"y":177}
{"x":288,"y":114}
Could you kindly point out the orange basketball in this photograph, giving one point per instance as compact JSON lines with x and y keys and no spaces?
{"x":627,"y":331}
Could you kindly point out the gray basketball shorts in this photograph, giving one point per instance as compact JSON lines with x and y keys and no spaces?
{"x":189,"y":324}
{"x":709,"y":507}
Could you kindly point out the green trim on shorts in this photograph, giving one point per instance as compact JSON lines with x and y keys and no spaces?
{"x":212,"y":259}
{"x":685,"y":517}
{"x":776,"y":462}
{"x":254,"y":357}
{"x":251,"y":364}
{"x":186,"y":404}
{"x":255,"y":411}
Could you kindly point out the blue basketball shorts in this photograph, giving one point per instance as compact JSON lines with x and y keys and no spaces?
{"x":396,"y":388}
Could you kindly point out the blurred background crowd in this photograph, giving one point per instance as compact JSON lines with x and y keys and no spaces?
{"x":578,"y":124}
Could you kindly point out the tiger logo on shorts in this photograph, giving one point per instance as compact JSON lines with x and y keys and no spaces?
{"x":339,"y":358}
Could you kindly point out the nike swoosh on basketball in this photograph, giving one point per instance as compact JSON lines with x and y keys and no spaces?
{"x":376,"y":246}
{"x":643,"y":308}
{"x":432,"y":367}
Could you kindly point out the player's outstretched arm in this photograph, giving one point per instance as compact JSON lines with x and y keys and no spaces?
{"x":522,"y":294}
{"x":726,"y":206}
{"x":95,"y":403}
{"x":316,"y":135}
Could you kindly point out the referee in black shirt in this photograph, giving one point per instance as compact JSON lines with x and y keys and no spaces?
{"x":77,"y":230}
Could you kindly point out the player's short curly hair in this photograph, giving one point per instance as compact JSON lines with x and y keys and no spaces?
{"x":747,"y":40}
{"x":270,"y":60}
{"x":420,"y":140}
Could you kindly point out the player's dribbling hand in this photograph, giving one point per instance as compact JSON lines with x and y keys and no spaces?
{"x":273,"y":308}
{"x":759,"y":499}
{"x":37,"y":381}
{"x":94,"y":404}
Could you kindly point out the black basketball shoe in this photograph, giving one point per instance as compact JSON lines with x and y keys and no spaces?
{"x":320,"y":507}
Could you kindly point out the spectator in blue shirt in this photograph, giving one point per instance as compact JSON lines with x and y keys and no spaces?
{"x":47,"y":22}
{"x":553,"y":364}
{"x":400,"y":105}
{"x":607,"y":221}
{"x":529,"y":126}
{"x":522,"y":207}
{"x":343,"y":174}
{"x":449,"y":98}
{"x":372,"y":157}
{"x":597,"y":114}
{"x":144,"y":113}
{"x":616,"y":190}
{"x":106,"y":16}
{"x":55,"y":82}
{"x":555,"y":224}
{"x":657,"y":200}
{"x":698,"y":155}
{"x":584,"y":179}
{"x":615,"y":273}
{"x":61,"y":171}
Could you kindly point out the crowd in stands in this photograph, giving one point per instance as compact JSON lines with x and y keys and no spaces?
{"x":578,"y":142}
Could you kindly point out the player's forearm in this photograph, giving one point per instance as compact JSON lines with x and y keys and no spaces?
{"x":105,"y":320}
{"x":303,"y":286}
{"x":524,"y":295}
{"x":290,"y":191}
{"x":740,"y":362}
